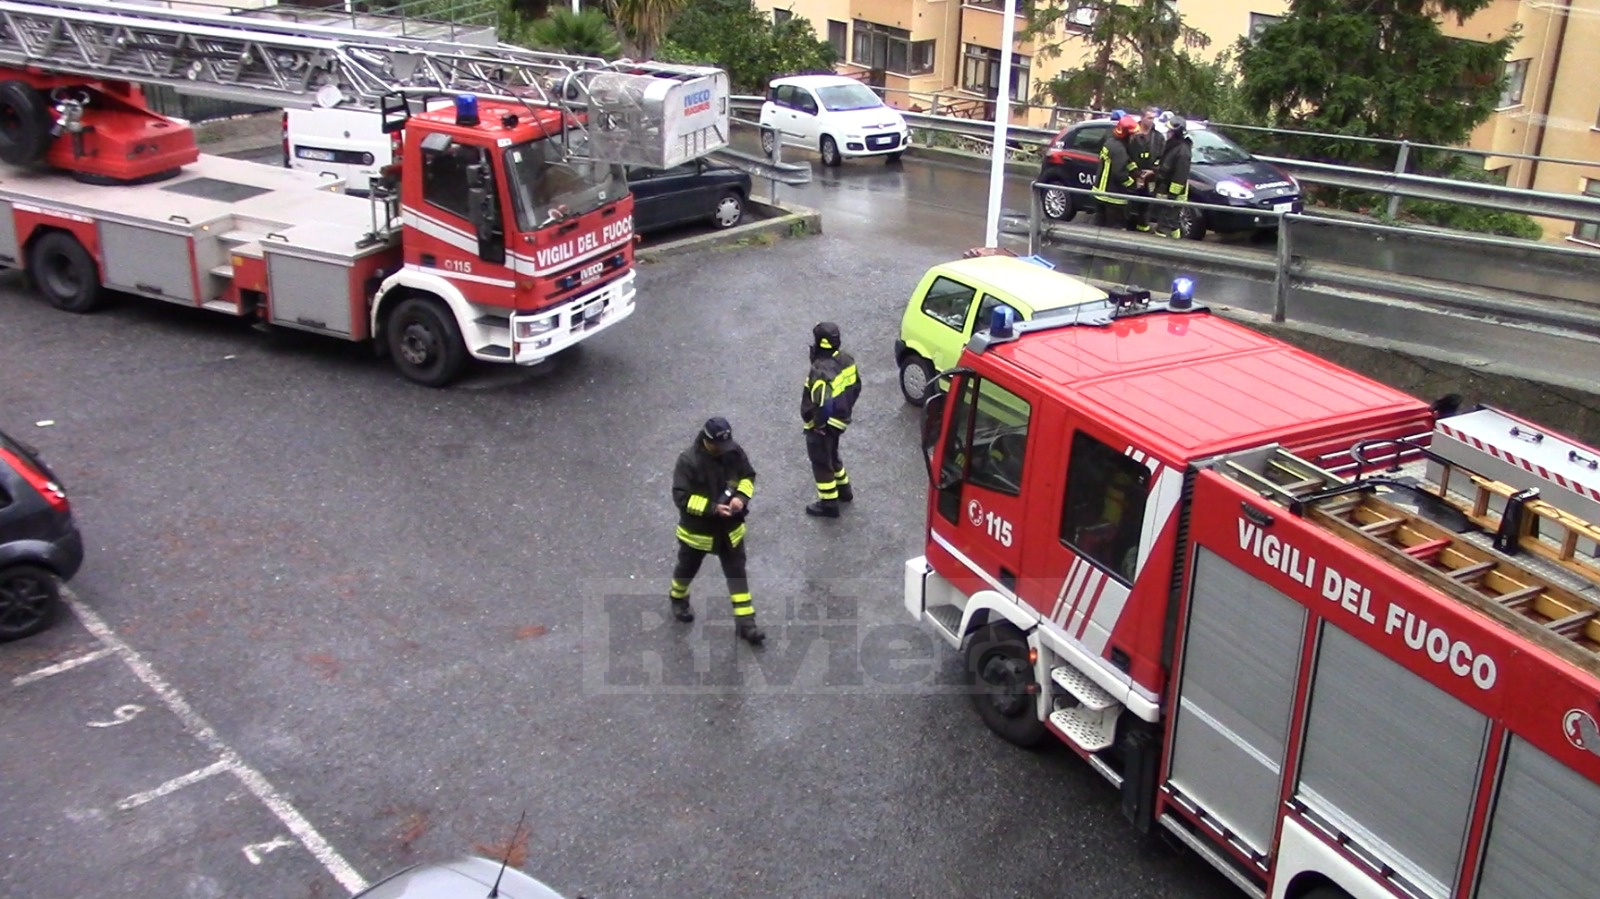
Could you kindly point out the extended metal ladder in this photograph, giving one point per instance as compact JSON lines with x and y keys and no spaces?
{"x":1486,"y":579}
{"x":293,"y":64}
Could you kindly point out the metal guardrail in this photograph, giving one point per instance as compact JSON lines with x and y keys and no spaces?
{"x":1287,"y":271}
{"x":1571,"y":207}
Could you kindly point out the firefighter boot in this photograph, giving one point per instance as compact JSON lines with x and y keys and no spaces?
{"x":845,"y":493}
{"x":749,"y":631}
{"x":824,"y":508}
{"x":681,"y":609}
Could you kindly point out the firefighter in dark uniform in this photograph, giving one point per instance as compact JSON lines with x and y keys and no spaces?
{"x":1172,"y":177}
{"x":1117,"y":171}
{"x":1145,"y":147}
{"x":712,"y":486}
{"x":832,"y":386}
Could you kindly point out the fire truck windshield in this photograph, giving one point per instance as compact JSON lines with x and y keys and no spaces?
{"x":551,"y":179}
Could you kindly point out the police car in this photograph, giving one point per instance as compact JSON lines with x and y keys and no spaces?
{"x":1231,"y":190}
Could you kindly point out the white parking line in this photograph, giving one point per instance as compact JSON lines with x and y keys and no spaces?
{"x":173,"y":785}
{"x":252,"y":779}
{"x":23,"y":680}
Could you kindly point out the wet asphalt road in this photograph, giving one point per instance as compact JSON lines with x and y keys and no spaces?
{"x":413,"y":614}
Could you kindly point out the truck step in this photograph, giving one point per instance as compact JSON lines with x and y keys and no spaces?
{"x":1082,"y":688}
{"x":238,"y":237}
{"x":221,"y":306}
{"x":1091,"y":731}
{"x":224,"y":270}
{"x":947,"y":617}
{"x":495,"y":350}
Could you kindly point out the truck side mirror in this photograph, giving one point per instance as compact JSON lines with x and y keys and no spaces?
{"x":932,"y":425}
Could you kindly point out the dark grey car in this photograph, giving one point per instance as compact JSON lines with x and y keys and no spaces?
{"x":39,"y":543}
{"x":468,"y":877}
{"x":691,"y":193}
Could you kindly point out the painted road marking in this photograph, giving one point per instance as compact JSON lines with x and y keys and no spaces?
{"x":202,"y":731}
{"x":173,"y":785}
{"x":122,"y":714}
{"x":255,"y":851}
{"x":22,"y":680}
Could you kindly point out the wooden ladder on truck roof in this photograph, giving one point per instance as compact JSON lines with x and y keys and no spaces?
{"x":289,"y":64}
{"x":1553,"y":615}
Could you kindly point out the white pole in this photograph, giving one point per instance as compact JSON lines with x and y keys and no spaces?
{"x":575,"y":7}
{"x":1002,"y":120}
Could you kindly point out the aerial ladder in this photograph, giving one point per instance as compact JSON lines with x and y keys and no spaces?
{"x":503,"y":231}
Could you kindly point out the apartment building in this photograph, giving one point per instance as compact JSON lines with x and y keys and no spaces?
{"x":1551,"y":104}
{"x":945,"y":54}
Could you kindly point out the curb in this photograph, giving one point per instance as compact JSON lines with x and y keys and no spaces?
{"x":787,"y":221}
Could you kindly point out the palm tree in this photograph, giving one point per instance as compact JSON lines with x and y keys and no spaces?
{"x":588,"y":33}
{"x":641,"y":24}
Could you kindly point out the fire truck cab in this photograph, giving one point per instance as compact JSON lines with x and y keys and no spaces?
{"x":1210,"y":564}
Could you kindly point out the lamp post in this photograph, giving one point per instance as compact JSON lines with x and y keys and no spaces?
{"x":1002,"y":120}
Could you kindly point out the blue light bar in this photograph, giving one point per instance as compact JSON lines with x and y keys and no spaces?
{"x":1001,"y":321}
{"x":1040,"y":260}
{"x":1182,"y":293}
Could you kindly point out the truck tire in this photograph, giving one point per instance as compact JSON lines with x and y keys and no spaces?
{"x":24,"y":124}
{"x":425,"y":343}
{"x":1004,"y":691}
{"x":65,"y":273}
{"x":915,"y":372}
{"x":30,"y":598}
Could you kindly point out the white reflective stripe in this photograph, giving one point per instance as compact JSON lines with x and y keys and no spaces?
{"x":973,"y":567}
{"x":437,"y":229}
{"x":1083,"y":588}
{"x":462,"y":276}
{"x":1066,"y":582}
{"x":1168,"y":490}
{"x":520,"y":262}
{"x":1260,"y":757}
{"x":1088,"y":601}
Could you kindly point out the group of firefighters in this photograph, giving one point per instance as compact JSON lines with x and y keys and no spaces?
{"x":1148,"y":156}
{"x":714,"y":482}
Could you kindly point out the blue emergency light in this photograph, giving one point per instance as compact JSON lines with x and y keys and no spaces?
{"x":466,"y":110}
{"x":1182,"y":293}
{"x":1001,"y":321}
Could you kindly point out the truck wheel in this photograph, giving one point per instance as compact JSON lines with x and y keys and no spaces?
{"x":29,"y":599}
{"x":1004,"y":692}
{"x":916,"y":373}
{"x":425,"y":342}
{"x":830,"y":150}
{"x":65,"y":272}
{"x":24,"y":124}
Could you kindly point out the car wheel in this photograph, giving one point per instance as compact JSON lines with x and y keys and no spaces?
{"x":1005,"y":694}
{"x":29,"y":599}
{"x":1058,"y":204}
{"x":916,"y":373}
{"x":729,"y":211}
{"x":769,"y":142}
{"x":65,"y":273}
{"x":830,"y":151}
{"x":1192,"y":223}
{"x":425,"y":343}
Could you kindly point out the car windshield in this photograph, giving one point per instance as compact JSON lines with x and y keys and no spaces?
{"x":1211,"y":147}
{"x":842,"y":97}
{"x":548,"y":184}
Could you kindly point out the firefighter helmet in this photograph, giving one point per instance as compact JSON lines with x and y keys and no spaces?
{"x":1125,"y":126}
{"x":825,"y":336}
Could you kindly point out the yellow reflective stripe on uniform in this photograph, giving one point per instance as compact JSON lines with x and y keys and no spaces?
{"x":843,"y":380}
{"x":747,"y":487}
{"x":698,"y":504}
{"x":692,"y":540}
{"x":1176,"y":188}
{"x":735,"y":536}
{"x":836,"y":423}
{"x":742,"y":606}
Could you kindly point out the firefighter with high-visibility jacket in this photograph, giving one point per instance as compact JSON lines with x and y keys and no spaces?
{"x":832,"y":386}
{"x":712,"y":486}
{"x":1118,"y":173}
{"x":1172,"y":176}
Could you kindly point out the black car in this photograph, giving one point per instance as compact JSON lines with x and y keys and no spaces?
{"x":39,"y":544}
{"x":1236,"y":191}
{"x":691,"y":193}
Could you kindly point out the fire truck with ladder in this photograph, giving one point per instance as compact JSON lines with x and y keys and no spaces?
{"x":1337,"y":641}
{"x":504,"y":232}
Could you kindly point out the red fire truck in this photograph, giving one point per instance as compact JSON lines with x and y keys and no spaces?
{"x":1339,"y":642}
{"x":503,"y":234}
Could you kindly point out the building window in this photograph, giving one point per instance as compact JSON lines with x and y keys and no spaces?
{"x":779,"y":16}
{"x":980,"y":73}
{"x":838,"y":38}
{"x":1516,"y":77}
{"x":890,"y":49}
{"x":1260,"y":22}
{"x":1589,"y":231}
